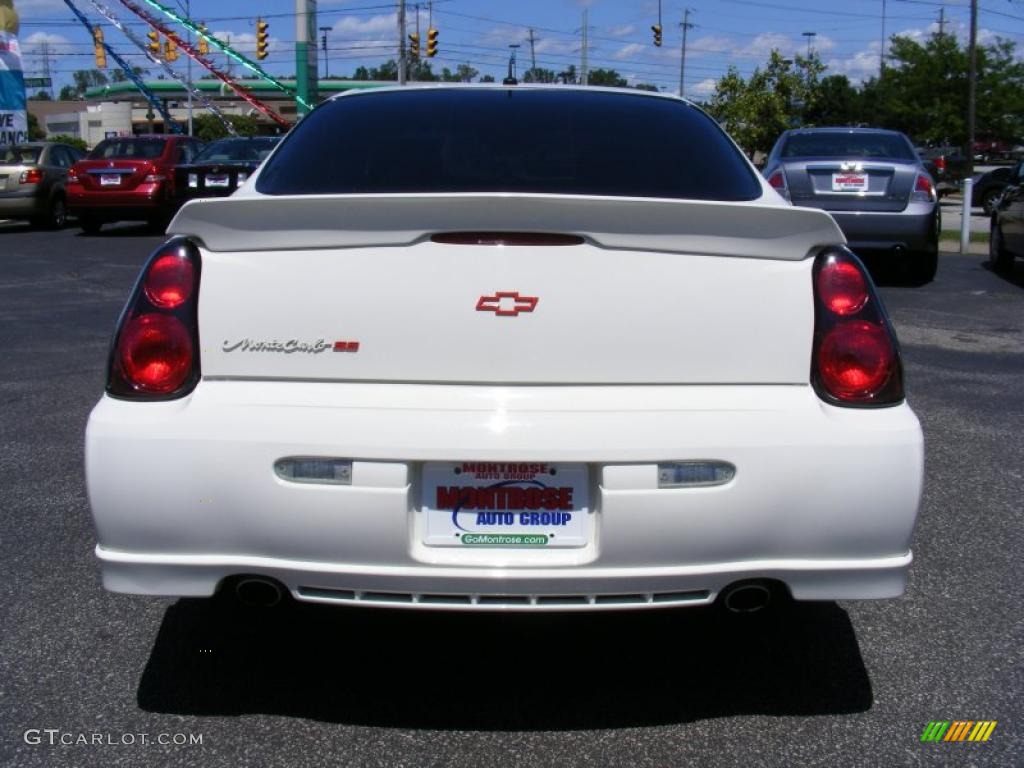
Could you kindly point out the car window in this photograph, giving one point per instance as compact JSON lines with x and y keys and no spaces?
{"x":60,"y":157}
{"x":17,"y":155}
{"x":838,"y":144}
{"x":129,"y":149}
{"x":236,"y":151}
{"x":548,"y":141}
{"x":184,"y":153}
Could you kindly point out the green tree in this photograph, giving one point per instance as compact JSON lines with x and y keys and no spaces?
{"x":834,"y":102}
{"x":466,"y":73}
{"x":207,"y":127}
{"x":539,"y":75}
{"x":74,"y":141}
{"x":41,"y":96}
{"x":69,"y":93}
{"x":35,"y":133}
{"x":118,"y":75}
{"x":775,"y":98}
{"x":486,"y":79}
{"x":607,"y":77}
{"x":85,"y":79}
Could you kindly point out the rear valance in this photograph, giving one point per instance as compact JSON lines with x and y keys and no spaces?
{"x":343,"y":221}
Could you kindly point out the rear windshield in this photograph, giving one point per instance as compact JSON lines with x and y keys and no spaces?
{"x":884,"y":145}
{"x":20,"y":155}
{"x":236,"y":151}
{"x":140,"y":149}
{"x":509,"y":140}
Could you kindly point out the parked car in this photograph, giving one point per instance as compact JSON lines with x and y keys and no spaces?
{"x":32,"y":180}
{"x":988,"y":150}
{"x":1006,"y":233}
{"x":128,"y":178}
{"x":871,"y":181}
{"x":988,"y":187}
{"x":505,"y":348}
{"x":222,"y":167}
{"x":948,"y":167}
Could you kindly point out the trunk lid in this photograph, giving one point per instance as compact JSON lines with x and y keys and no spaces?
{"x":882,"y":186}
{"x":658,"y":292}
{"x":117,"y":175}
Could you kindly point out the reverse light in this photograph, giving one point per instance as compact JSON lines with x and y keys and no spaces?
{"x":155,"y":354}
{"x":314,"y":469}
{"x":855,"y":360}
{"x":31,"y":176}
{"x":242,"y":178}
{"x":152,"y":178}
{"x":695,"y":474}
{"x":193,"y":180}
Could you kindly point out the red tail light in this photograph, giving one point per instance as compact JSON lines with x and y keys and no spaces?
{"x":940,"y":164}
{"x":72,"y":176}
{"x":31,"y":176}
{"x":924,"y":190}
{"x":856,"y":360}
{"x":155,"y":352}
{"x":778,"y":181}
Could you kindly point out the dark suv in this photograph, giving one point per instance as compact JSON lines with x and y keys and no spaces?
{"x":128,"y":178}
{"x":32,"y":178}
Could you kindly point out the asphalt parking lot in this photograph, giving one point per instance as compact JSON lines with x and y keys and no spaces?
{"x":820,"y":684}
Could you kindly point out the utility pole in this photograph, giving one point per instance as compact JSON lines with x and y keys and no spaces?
{"x":972,"y":87}
{"x":401,"y":42}
{"x":583,"y":62}
{"x":810,"y":36}
{"x":307,"y":69}
{"x":45,"y":52}
{"x":682,"y":54}
{"x":323,"y":46}
{"x":881,"y":50}
{"x":942,"y":20}
{"x":533,"y":55}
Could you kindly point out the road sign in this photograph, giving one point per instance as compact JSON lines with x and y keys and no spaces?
{"x":38,"y":82}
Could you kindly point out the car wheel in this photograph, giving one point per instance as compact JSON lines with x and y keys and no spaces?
{"x":999,"y":259}
{"x":988,"y":200}
{"x":89,"y":225}
{"x":58,"y":215}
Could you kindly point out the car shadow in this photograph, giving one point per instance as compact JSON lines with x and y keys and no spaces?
{"x":122,"y":229}
{"x":460,"y":671}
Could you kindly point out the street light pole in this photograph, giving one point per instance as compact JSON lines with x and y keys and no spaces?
{"x":810,"y":36}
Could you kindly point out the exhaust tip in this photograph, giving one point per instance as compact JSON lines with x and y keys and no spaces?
{"x":258,"y":592}
{"x":746,"y":598}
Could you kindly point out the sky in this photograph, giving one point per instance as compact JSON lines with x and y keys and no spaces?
{"x":847,"y":35}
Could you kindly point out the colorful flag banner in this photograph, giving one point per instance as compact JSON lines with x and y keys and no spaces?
{"x":13,"y":116}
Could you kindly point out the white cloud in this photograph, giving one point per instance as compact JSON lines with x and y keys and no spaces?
{"x":629,"y":51}
{"x":245,"y":43}
{"x":762,"y":45}
{"x":704,"y":88}
{"x":622,"y":31}
{"x":380,"y":27}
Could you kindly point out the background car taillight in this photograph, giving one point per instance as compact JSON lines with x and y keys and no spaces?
{"x":777,"y":181}
{"x":855,"y":360}
{"x":31,"y":176}
{"x":924,"y":190}
{"x":72,"y":176}
{"x":940,"y":164}
{"x":155,"y":354}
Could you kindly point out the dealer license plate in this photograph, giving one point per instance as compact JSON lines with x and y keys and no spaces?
{"x":510,"y":505}
{"x":849,"y":182}
{"x":217,"y":180}
{"x":110,"y":180}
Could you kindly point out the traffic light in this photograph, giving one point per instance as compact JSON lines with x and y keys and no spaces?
{"x":154,"y":42}
{"x":432,"y":42}
{"x":261,"y":39}
{"x":170,"y":50}
{"x":656,"y":29}
{"x":414,"y":45}
{"x":98,"y":49}
{"x":203,"y":46}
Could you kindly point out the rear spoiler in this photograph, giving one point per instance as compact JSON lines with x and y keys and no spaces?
{"x":265,"y":223}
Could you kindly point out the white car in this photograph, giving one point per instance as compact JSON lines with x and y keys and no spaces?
{"x":505,"y":347}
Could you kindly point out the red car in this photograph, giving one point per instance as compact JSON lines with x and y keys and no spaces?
{"x":128,"y":178}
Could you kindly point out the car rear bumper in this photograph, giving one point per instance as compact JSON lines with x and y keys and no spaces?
{"x":21,"y":206}
{"x":184,"y":494}
{"x":913,"y":229}
{"x":142,"y":202}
